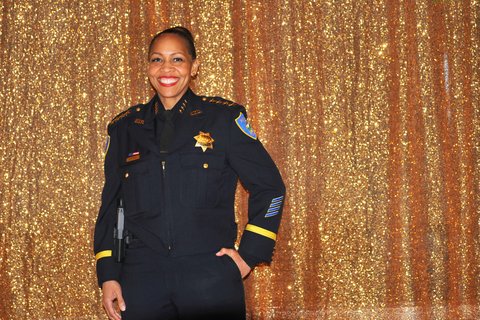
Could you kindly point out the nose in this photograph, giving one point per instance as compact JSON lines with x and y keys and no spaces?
{"x":166,"y":66}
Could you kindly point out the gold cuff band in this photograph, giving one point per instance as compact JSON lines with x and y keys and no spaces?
{"x":261,"y":231}
{"x":103,"y":254}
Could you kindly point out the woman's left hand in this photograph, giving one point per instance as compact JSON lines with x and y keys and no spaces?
{"x":241,"y":264}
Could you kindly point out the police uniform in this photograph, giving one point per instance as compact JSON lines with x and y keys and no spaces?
{"x":179,"y":208}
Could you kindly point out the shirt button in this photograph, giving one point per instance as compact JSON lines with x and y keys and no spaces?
{"x":205,"y":165}
{"x":126,"y":175}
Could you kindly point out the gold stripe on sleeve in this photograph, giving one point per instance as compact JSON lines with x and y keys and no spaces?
{"x":261,"y":231}
{"x":103,"y":254}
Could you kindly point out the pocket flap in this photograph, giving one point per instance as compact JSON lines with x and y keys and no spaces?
{"x":137,"y":167}
{"x":202,"y":161}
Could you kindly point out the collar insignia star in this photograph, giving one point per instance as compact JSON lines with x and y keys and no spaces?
{"x":204,"y":141}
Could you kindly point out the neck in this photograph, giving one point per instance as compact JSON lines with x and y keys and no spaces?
{"x":170,"y":102}
{"x":167,"y":103}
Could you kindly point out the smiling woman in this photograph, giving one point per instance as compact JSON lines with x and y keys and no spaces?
{"x":172,"y":64}
{"x":171,"y":171}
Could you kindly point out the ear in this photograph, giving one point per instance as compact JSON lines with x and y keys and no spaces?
{"x":195,"y":66}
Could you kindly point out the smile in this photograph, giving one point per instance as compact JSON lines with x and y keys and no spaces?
{"x":168,"y":81}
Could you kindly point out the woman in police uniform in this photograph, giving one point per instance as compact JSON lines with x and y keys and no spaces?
{"x":175,"y":163}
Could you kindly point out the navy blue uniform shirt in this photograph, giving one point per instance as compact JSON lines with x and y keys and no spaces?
{"x":182,"y":202}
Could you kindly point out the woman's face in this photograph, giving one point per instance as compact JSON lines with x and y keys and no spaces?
{"x":170,"y":68}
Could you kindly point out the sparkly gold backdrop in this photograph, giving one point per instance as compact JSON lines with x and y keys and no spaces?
{"x":370,"y":109}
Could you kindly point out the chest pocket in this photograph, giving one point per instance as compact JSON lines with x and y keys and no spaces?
{"x":140,"y":187}
{"x":201,"y":179}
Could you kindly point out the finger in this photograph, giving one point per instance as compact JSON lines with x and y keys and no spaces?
{"x":111,"y":313}
{"x":120,"y":301}
{"x":223,"y":251}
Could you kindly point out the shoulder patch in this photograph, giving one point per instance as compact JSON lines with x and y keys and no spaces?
{"x":107,"y":145}
{"x":245,"y":127}
{"x":220,"y":101}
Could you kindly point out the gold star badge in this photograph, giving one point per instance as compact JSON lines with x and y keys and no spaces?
{"x":204,"y":141}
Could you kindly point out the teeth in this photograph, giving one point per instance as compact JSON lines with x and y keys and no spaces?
{"x":168,"y":80}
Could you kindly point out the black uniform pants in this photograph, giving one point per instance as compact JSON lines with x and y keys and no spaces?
{"x":201,"y":286}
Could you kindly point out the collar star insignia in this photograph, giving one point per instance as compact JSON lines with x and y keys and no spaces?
{"x":204,"y":141}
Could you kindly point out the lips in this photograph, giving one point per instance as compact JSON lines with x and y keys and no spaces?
{"x":168,"y":81}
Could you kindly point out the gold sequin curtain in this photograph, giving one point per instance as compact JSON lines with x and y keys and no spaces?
{"x":370,"y":109}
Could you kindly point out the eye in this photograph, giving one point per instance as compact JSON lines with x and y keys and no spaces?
{"x":156,"y":59}
{"x":178,"y":59}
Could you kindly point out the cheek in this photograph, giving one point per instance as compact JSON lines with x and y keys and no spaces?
{"x":151,"y":70}
{"x":187,"y":77}
{"x":187,"y":70}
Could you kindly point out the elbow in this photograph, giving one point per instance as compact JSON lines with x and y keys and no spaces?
{"x":281,"y":189}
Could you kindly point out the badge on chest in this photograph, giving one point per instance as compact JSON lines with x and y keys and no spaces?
{"x":204,"y":141}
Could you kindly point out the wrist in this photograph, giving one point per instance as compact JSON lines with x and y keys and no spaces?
{"x":250,"y":260}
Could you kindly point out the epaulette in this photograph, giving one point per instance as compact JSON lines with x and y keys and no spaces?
{"x":221,"y":101}
{"x":120,"y":116}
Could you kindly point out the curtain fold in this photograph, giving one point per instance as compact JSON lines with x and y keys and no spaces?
{"x":371,"y":110}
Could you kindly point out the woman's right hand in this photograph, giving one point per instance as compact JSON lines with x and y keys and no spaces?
{"x":111,"y":291}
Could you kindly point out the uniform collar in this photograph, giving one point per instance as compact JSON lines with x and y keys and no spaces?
{"x":179,"y":108}
{"x":188,"y":123}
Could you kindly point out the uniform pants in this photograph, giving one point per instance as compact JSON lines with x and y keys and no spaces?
{"x":201,"y":286}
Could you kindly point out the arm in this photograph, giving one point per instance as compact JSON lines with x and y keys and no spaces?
{"x":107,"y":269}
{"x":260,"y":176}
{"x":108,"y":272}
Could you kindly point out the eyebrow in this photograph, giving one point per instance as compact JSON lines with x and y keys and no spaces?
{"x":169,"y":53}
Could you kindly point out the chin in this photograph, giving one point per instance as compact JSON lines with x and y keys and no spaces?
{"x":168,"y":94}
